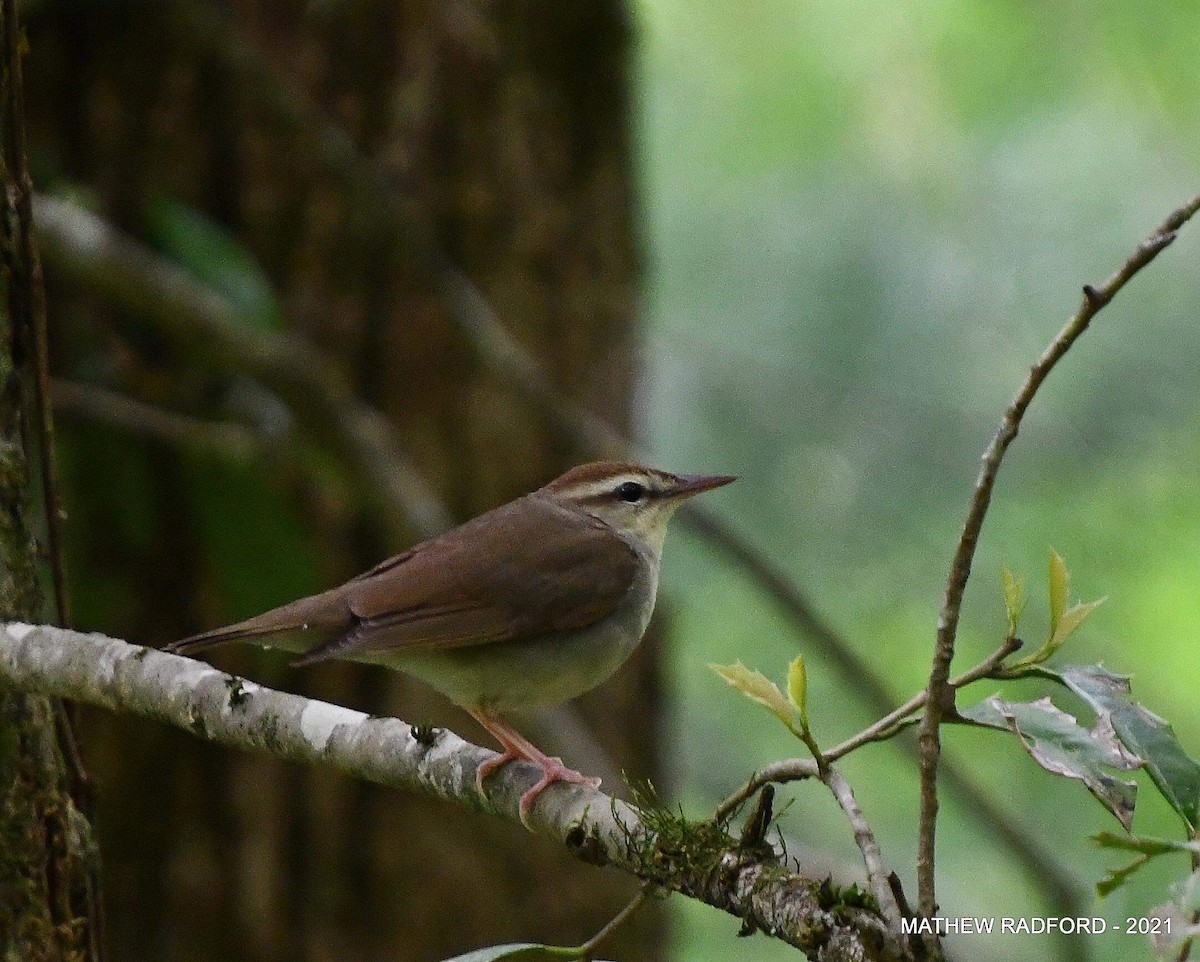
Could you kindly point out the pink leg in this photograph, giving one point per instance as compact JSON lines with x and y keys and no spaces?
{"x":517,"y":747}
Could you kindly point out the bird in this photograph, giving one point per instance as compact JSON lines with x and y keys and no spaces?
{"x":527,"y":605}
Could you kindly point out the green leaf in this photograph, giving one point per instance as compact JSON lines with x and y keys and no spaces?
{"x":1146,"y":844}
{"x":520,"y":952}
{"x":1057,"y":742}
{"x":757,"y":687}
{"x":1174,"y":773}
{"x":1071,"y":619}
{"x":797,"y":686}
{"x":1014,"y":598}
{"x":1063,"y":620}
{"x":1149,"y":847}
{"x":1060,"y":582}
{"x":211,"y":254}
{"x":1117,"y":877}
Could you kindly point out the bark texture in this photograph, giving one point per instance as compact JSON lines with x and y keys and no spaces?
{"x":44,"y":841}
{"x":47,"y":859}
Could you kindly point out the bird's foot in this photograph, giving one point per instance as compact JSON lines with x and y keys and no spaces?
{"x":518,"y":748}
{"x":553,"y":770}
{"x":485,"y":769}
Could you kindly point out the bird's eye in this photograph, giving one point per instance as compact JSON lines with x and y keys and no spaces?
{"x":630,"y":491}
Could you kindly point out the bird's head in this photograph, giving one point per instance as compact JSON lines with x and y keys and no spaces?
{"x":635,"y":500}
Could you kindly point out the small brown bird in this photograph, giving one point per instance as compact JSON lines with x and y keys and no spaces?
{"x":528,"y":605}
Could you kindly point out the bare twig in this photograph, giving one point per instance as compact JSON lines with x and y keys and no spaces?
{"x":901,"y":718}
{"x":90,"y":402}
{"x":941,"y":693}
{"x":588,"y":950}
{"x":232,"y":711}
{"x":878,"y":882}
{"x":864,"y":837}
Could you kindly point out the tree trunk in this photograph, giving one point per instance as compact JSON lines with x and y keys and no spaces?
{"x":503,"y":129}
{"x":47,"y":856}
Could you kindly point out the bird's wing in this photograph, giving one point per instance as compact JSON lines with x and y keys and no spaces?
{"x":553,"y":570}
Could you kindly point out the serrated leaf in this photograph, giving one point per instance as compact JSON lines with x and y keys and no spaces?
{"x":1068,"y":621}
{"x":797,"y":686}
{"x":519,"y":952}
{"x":1014,"y":598}
{"x":1060,"y":583}
{"x":1071,"y":619}
{"x":1060,"y":745}
{"x":1172,"y":770}
{"x":757,"y":687}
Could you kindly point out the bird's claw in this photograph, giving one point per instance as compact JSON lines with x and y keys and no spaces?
{"x":553,"y":770}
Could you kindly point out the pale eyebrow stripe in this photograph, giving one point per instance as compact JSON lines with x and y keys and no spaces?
{"x":601,"y":493}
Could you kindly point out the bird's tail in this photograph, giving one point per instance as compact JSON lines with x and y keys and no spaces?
{"x":324,"y":611}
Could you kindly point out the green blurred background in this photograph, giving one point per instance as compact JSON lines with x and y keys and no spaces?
{"x":860,"y":223}
{"x":866,"y":220}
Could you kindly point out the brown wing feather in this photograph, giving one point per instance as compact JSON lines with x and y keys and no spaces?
{"x":554,"y":570}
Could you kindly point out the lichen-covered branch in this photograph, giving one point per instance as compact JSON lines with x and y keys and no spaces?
{"x":751,"y":885}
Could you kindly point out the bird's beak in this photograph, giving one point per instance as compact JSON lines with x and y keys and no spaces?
{"x":687,"y":485}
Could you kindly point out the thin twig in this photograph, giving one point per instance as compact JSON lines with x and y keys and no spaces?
{"x":899,"y":719}
{"x":891,"y":724}
{"x":941,"y":694}
{"x":878,"y":882}
{"x":587,"y":951}
{"x":864,"y":837}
